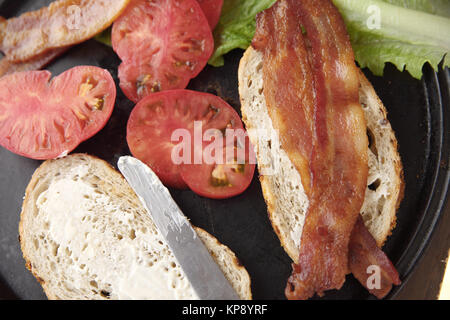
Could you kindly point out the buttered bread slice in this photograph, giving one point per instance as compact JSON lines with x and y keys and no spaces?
{"x":85,"y":235}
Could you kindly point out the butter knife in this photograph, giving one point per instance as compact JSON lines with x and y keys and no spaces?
{"x":205,"y":276}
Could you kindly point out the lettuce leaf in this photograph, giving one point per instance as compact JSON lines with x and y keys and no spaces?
{"x":410,"y":32}
{"x":236,"y":27}
{"x":407,"y":33}
{"x":104,"y":37}
{"x":437,"y":7}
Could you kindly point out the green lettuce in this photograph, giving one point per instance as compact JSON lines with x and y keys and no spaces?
{"x":236,"y":27}
{"x":104,"y":37}
{"x":436,"y":7}
{"x":410,"y":33}
{"x":407,"y":33}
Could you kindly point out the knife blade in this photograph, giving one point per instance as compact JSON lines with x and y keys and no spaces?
{"x":205,"y":276}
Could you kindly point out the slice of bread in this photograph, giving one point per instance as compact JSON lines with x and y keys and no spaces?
{"x":85,"y":235}
{"x":281,"y":183}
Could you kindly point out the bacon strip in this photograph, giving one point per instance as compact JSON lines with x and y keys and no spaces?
{"x":35,"y":63}
{"x":288,"y":83}
{"x":369,"y":264}
{"x":311,"y":89}
{"x":62,"y":23}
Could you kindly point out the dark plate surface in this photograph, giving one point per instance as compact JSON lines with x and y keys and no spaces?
{"x":418,"y":111}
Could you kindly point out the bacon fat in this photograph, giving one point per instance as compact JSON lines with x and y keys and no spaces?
{"x":36,"y":63}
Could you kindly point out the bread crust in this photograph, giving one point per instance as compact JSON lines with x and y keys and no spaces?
{"x":399,"y":184}
{"x":224,"y":257}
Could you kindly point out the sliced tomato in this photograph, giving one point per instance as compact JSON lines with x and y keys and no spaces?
{"x":227,"y":178}
{"x":162,"y":44}
{"x":162,"y":123}
{"x":212,"y":10}
{"x":43,"y":119}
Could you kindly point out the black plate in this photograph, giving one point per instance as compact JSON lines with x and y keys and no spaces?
{"x":418,"y":111}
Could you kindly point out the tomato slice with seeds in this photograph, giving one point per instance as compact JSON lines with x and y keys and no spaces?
{"x":43,"y":119}
{"x":164,"y":128}
{"x":162,"y":44}
{"x":227,"y":178}
{"x":212,"y":10}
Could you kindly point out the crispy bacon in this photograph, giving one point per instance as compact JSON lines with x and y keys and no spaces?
{"x":35,"y":63}
{"x":311,"y":89}
{"x":61,"y":24}
{"x":369,"y":264}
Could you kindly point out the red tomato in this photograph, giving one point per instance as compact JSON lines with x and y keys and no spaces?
{"x":43,"y":119}
{"x":162,"y":43}
{"x":212,"y":10}
{"x":162,"y":123}
{"x":226,"y":179}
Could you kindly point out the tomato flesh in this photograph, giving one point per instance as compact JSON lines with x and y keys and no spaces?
{"x":226,"y":179}
{"x":162,"y":44}
{"x":43,"y":119}
{"x":212,"y":10}
{"x":152,"y":138}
